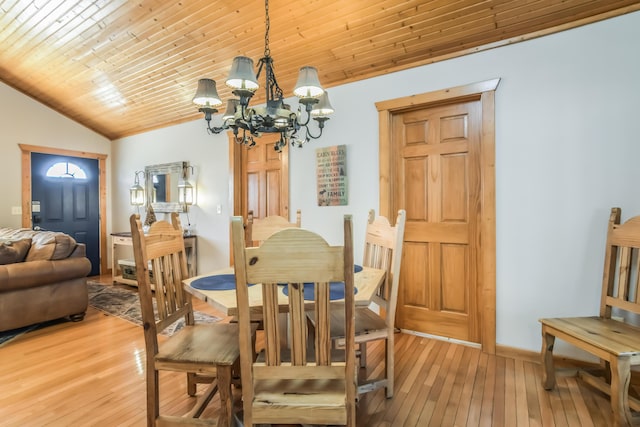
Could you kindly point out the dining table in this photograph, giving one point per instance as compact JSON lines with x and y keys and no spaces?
{"x":217,"y":289}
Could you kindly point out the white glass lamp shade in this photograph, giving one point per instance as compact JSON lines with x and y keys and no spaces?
{"x":242,"y":75}
{"x":308,"y":85}
{"x":136,"y":194}
{"x":323,"y":108}
{"x":185,"y":193}
{"x":206,"y":94}
{"x":230,"y":112}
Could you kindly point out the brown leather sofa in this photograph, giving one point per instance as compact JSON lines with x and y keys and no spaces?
{"x":42,"y":277}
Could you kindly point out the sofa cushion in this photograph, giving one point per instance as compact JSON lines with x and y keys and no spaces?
{"x":45,"y":245}
{"x":12,"y":251}
{"x":50,"y":245}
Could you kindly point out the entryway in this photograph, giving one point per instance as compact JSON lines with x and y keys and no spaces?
{"x":64,"y":201}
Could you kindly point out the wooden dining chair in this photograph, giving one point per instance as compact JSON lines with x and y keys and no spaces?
{"x":259,"y":229}
{"x":209,"y":350}
{"x":301,"y":384}
{"x":383,"y":250}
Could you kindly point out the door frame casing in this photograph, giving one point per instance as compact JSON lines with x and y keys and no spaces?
{"x":102,"y":179}
{"x":484,"y":92}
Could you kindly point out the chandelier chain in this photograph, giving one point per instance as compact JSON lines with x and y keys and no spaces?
{"x":267,"y":51}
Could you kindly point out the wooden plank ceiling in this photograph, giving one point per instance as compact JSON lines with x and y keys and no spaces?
{"x":123,"y":67}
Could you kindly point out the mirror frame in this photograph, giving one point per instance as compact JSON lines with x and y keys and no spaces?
{"x":164,"y":169}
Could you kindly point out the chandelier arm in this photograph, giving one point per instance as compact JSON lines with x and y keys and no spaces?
{"x":310,"y":135}
{"x":320,"y":121}
{"x":208,"y":116}
{"x":306,"y":122}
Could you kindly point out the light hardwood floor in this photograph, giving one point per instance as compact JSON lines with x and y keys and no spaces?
{"x":90,"y":373}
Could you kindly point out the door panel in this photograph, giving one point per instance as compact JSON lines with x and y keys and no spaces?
{"x":437,"y":168}
{"x":273,"y":189}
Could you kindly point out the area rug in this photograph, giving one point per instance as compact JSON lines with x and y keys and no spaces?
{"x":124,"y":302}
{"x":8,"y":336}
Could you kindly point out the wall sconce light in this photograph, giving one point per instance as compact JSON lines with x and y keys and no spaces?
{"x":186,"y":192}
{"x":136,"y":191}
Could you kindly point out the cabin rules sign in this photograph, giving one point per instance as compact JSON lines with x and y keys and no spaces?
{"x":331,"y":170}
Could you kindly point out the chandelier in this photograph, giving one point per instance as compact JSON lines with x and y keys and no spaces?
{"x":275,"y":116}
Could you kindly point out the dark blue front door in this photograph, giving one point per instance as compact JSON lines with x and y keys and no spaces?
{"x":68,"y":199}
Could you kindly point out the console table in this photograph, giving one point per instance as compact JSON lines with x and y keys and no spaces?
{"x":122,"y":248}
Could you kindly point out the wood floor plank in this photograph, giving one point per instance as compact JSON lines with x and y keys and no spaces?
{"x":498,"y":393}
{"x":475,"y":408}
{"x":456,"y":389}
{"x":544,"y":399}
{"x":522,"y":410}
{"x":462,"y":414}
{"x":581,"y":408}
{"x":91,"y":373}
{"x":448,"y":379}
{"x":567,"y":402}
{"x":412,"y":387}
{"x":439,"y":388}
{"x":395,"y":405}
{"x":597,"y":404}
{"x":531,"y":385}
{"x":433,"y":365}
{"x":510,"y":413}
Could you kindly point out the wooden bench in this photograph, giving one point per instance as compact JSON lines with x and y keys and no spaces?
{"x":607,"y":336}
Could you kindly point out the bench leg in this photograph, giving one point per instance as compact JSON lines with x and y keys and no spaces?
{"x":620,"y":378}
{"x":548,"y":369}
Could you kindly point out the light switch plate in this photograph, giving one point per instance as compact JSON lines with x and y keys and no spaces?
{"x":16,"y":210}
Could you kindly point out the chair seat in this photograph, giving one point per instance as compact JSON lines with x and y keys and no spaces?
{"x":612,"y":336}
{"x":186,"y":346}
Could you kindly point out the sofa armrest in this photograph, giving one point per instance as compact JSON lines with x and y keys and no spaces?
{"x":31,"y":274}
{"x":79,"y":251}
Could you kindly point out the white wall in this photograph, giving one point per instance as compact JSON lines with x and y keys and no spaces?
{"x":210,"y":158}
{"x":566,"y":151}
{"x":26,"y":121}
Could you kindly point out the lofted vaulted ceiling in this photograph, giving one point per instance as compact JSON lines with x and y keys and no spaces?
{"x":123,"y":67}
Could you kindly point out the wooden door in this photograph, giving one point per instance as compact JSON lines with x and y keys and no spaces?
{"x":437,"y":169}
{"x":437,"y":161}
{"x":260,"y":178}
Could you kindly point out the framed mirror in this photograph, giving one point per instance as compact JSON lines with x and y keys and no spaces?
{"x":162,"y":186}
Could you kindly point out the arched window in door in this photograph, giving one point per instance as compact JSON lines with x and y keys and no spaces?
{"x":66,"y":170}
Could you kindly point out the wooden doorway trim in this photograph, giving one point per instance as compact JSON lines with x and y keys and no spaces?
{"x":485,"y":92}
{"x":26,"y":189}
